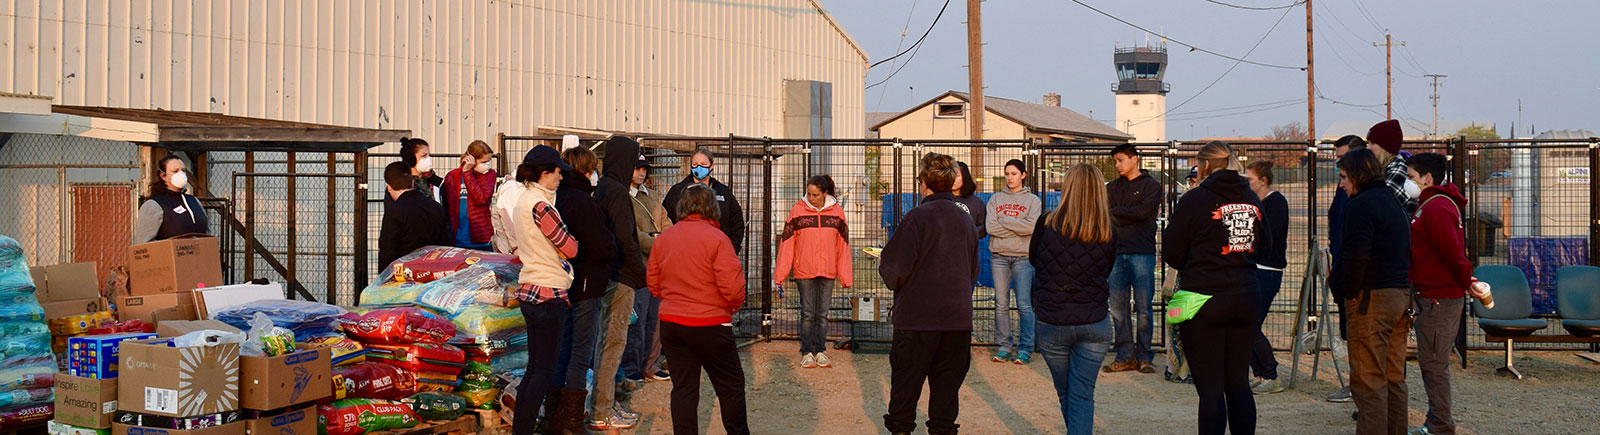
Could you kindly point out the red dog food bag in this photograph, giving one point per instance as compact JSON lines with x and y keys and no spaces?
{"x":400,"y":326}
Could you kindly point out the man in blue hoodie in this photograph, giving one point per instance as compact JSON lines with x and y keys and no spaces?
{"x":930,"y":264}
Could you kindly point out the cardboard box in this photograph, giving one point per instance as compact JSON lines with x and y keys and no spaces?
{"x":285,"y":380}
{"x":153,"y":309}
{"x":174,"y":328}
{"x":162,"y":380}
{"x":96,"y":356}
{"x":211,"y":299}
{"x":68,"y":289}
{"x":174,"y":265}
{"x":302,"y":422}
{"x":235,"y":428}
{"x":85,"y":402}
{"x":58,"y":428}
{"x":867,"y":309}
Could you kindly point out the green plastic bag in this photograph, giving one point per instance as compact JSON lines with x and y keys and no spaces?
{"x":1184,"y":305}
{"x":434,"y":406}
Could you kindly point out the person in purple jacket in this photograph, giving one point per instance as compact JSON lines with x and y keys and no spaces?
{"x":930,"y":264}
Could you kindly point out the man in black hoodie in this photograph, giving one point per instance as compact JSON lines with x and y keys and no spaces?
{"x":1374,"y":272}
{"x":410,"y":222}
{"x":930,"y":264}
{"x":732,"y":217}
{"x":622,"y":154}
{"x":1135,"y":198}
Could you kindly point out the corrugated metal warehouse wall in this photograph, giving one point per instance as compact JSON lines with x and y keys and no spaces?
{"x":451,"y":71}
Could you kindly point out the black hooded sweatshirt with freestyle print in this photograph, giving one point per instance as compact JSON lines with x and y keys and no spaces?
{"x":1216,"y":235}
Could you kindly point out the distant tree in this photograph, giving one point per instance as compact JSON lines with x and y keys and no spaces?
{"x":1291,"y":131}
{"x":1281,"y":156}
{"x":1491,"y":161}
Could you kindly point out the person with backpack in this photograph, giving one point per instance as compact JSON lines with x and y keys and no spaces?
{"x":1214,"y":239}
{"x":815,"y":247}
{"x":1073,"y":249}
{"x":1441,"y":273}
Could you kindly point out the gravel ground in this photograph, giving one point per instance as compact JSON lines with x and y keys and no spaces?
{"x":1559,"y":396}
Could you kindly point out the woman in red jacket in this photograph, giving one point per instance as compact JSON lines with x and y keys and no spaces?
{"x":466,"y":193}
{"x":697,"y":276}
{"x":815,"y":246}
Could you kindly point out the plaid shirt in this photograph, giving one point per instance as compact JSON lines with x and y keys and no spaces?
{"x":555,"y":231}
{"x":1395,"y":177}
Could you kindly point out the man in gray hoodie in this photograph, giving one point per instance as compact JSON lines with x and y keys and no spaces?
{"x":1010,"y":222}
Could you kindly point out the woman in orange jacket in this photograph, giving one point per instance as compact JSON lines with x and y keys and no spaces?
{"x":815,"y":246}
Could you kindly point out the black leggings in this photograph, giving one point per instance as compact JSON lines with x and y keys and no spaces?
{"x":1217,"y":342}
{"x":545,"y":322}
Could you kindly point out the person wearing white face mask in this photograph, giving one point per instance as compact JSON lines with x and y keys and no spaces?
{"x":469,"y":190}
{"x":170,"y":211}
{"x":417,"y":154}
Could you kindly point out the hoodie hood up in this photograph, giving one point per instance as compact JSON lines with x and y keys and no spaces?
{"x":622,"y":156}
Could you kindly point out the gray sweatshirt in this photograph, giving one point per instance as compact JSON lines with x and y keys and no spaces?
{"x":1010,"y":221}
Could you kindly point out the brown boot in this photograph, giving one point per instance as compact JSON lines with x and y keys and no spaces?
{"x":569,"y":413}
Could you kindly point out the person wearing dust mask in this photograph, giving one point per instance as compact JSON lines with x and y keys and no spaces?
{"x":171,"y":211}
{"x":467,"y":192}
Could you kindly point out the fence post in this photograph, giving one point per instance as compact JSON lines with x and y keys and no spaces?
{"x":1594,"y":197}
{"x":361,"y":246}
{"x":333,"y":232}
{"x":500,"y":142}
{"x":766,"y":237}
{"x":895,"y":196}
{"x":293,"y":277}
{"x":1458,"y":171}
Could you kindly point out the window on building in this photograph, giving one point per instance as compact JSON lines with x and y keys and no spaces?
{"x":950,"y":110}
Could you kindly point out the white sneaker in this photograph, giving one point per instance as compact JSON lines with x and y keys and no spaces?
{"x":808,"y":361}
{"x":822,"y":360}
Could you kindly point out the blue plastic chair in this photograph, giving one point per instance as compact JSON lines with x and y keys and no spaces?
{"x":1578,"y":299}
{"x":1513,"y":311}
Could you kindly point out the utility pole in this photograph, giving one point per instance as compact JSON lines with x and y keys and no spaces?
{"x":1435,"y":99}
{"x":1311,"y":81}
{"x":1388,"y":72}
{"x":975,"y":110}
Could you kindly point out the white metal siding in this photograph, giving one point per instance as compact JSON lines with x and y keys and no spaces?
{"x":451,"y":71}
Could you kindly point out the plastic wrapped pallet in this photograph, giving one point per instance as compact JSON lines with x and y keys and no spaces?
{"x":27,"y":365}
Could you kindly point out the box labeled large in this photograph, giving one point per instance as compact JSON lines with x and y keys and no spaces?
{"x":154,"y":309}
{"x":174,"y":266}
{"x":302,"y":422}
{"x":159,"y":379}
{"x":85,"y":402}
{"x":867,"y":309}
{"x":235,"y":428}
{"x":285,"y":380}
{"x":96,"y":356}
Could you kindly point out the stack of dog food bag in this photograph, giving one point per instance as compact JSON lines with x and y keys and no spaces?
{"x":27,"y":365}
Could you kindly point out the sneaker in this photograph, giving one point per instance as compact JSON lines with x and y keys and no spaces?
{"x":612,"y":422}
{"x":1254,"y":381}
{"x":1341,"y":396}
{"x":1001,"y":356}
{"x":621,"y":411}
{"x":808,"y":361}
{"x":1267,"y":386}
{"x":1147,"y":367}
{"x":822,"y":360}
{"x":1023,"y":358}
{"x":1121,"y":366}
{"x":661,"y":376}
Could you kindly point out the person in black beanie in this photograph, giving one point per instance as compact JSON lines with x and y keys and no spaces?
{"x":930,"y":263}
{"x":1214,"y":238}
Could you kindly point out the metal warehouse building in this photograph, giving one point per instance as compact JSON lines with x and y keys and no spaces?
{"x":447,"y":71}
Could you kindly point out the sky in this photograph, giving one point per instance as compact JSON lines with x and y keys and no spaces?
{"x":1493,"y":52}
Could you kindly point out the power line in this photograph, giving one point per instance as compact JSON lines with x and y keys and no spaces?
{"x":1298,"y":3}
{"x":1224,"y":73}
{"x":1191,"y":46}
{"x":1280,"y":106}
{"x":1362,"y":8}
{"x":1247,"y":106}
{"x":897,"y":46}
{"x":914,"y":51}
{"x":1322,"y":96}
{"x":919,"y":40}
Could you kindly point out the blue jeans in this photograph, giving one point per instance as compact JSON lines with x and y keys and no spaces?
{"x":1135,"y":272}
{"x":640,"y":335}
{"x":1007,"y":271}
{"x":1074,"y":353}
{"x":1262,"y":362}
{"x":816,"y":295}
{"x":578,"y":340}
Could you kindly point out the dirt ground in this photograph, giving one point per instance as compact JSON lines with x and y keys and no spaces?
{"x":1557,"y":397}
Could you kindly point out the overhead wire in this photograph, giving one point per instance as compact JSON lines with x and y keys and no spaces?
{"x":919,"y":40}
{"x":1224,"y":73}
{"x":897,"y":46}
{"x":1275,"y":107}
{"x":1256,"y":8}
{"x":1191,"y":47}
